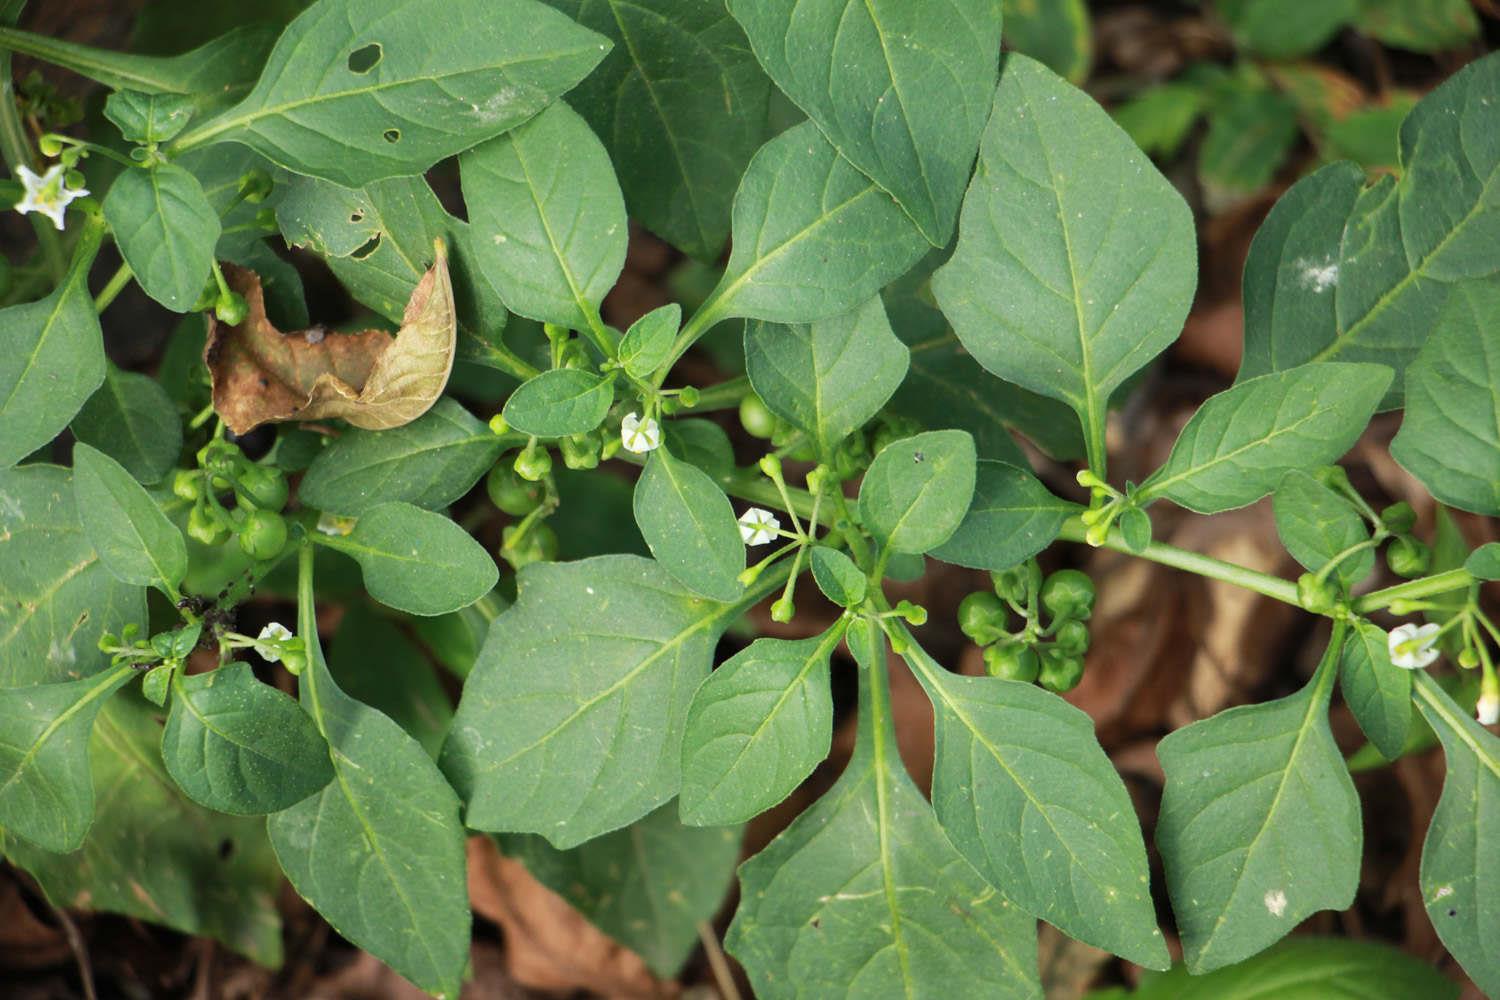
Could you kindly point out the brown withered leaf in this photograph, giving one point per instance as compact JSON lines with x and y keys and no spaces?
{"x":371,"y":379}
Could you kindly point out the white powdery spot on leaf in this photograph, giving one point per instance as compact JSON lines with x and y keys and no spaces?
{"x":1316,"y":276}
{"x":1275,"y":901}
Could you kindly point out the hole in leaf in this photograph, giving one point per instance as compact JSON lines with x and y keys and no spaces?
{"x":392,"y":135}
{"x":369,"y":247}
{"x":364,"y":59}
{"x":356,"y":216}
{"x":226,"y":849}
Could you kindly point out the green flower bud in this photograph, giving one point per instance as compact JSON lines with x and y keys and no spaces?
{"x":295,"y":661}
{"x":755,"y":418}
{"x":49,"y":145}
{"x":533,"y":463}
{"x":914,"y":614}
{"x":498,"y":424}
{"x":1468,"y":659}
{"x":982,"y":617}
{"x":1060,"y":671}
{"x":231,"y":309}
{"x":689,"y":396}
{"x":1399,"y":518}
{"x":782,"y":610}
{"x":1408,"y":556}
{"x":1073,"y":638}
{"x":1317,"y":596}
{"x":1012,"y":661}
{"x":1068,"y":593}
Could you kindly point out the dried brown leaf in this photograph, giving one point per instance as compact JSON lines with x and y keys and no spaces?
{"x":371,"y":379}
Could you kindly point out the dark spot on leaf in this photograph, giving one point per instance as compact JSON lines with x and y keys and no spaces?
{"x":817,"y":922}
{"x":1452,"y":913}
{"x":369,"y":247}
{"x":363,"y":60}
{"x":392,"y":135}
{"x":226,"y":849}
{"x":917,"y":457}
{"x":357,"y":215}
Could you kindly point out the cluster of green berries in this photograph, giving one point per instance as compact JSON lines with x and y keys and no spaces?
{"x":853,"y":454}
{"x":1049,"y":653}
{"x":1405,"y":554}
{"x":260,"y":493}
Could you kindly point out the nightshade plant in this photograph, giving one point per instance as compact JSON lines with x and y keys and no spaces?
{"x":952,"y":246}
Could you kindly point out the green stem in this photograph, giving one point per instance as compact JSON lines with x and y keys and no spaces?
{"x":113,"y":288}
{"x":724,"y":396}
{"x":1095,"y":447}
{"x":696,"y":326}
{"x":1193,"y":562}
{"x":1427,"y":586}
{"x":16,"y":148}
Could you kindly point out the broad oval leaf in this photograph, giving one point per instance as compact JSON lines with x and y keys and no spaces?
{"x":1318,"y":525}
{"x":1484,"y":562}
{"x":1243,"y":441}
{"x":238,"y":746}
{"x":417,"y":561}
{"x":1012,"y":518}
{"x":813,"y":237}
{"x":647,"y":345}
{"x":1058,"y":34}
{"x":757,"y":727}
{"x":680,"y":103}
{"x":1284,"y":29}
{"x":404,"y":687}
{"x":1376,"y":690}
{"x":548,"y":218}
{"x":837,"y":576}
{"x":54,"y":358}
{"x":1450,"y":435}
{"x":46,"y":792}
{"x":1075,"y":259}
{"x":1028,"y":796}
{"x":864,"y":895}
{"x":829,"y":377}
{"x":689,"y":526}
{"x":649,"y":886}
{"x":56,"y":597}
{"x":1460,"y":868}
{"x":379,"y":852}
{"x":148,"y":118}
{"x":1260,"y":824}
{"x":134,"y":539}
{"x":571,"y":723}
{"x":356,"y":90}
{"x":429,"y":463}
{"x":560,"y":402}
{"x":133,"y":421}
{"x":166,"y":231}
{"x":917,"y":490}
{"x":903,"y":91}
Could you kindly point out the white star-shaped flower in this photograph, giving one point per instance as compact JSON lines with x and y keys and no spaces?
{"x":1488,"y":709}
{"x":47,"y":194}
{"x":1411,"y":645}
{"x":639,"y":435}
{"x":758,"y":526}
{"x":267,"y":643}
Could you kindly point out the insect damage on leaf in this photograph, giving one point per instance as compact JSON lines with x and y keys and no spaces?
{"x":371,"y":379}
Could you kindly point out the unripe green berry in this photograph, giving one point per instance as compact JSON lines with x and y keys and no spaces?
{"x":1068,"y":593}
{"x":1012,"y":661}
{"x":1010,"y":584}
{"x":689,"y":396}
{"x":1408,"y":556}
{"x":512,"y":494}
{"x":1060,"y":671}
{"x":755,"y":418}
{"x":204,"y":528}
{"x":782,"y":610}
{"x":261,"y":487}
{"x":581,"y":451}
{"x":1399,"y":518}
{"x":49,"y":145}
{"x":1317,"y":596}
{"x":1072,"y":637}
{"x":187,"y":484}
{"x":533,"y":463}
{"x":231,"y":309}
{"x":982,"y":617}
{"x":263,"y":534}
{"x":1468,"y":659}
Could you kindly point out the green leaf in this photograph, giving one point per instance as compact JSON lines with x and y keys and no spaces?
{"x":1075,"y":259}
{"x":1431,"y":26}
{"x":374,"y":662}
{"x":236,"y":745}
{"x":211,"y":74}
{"x":813,"y":237}
{"x":1316,"y":525}
{"x":1260,"y":824}
{"x":1292,"y":273}
{"x":829,"y":377}
{"x":873,"y":76}
{"x":1251,"y":129}
{"x":430,"y":463}
{"x":647,"y":345}
{"x":1160,"y":117}
{"x":1377,"y":691}
{"x":757,"y":727}
{"x":837,"y":577}
{"x":703,"y":443}
{"x":356,"y":91}
{"x":864,"y":895}
{"x":380,"y":851}
{"x":1306,"y":968}
{"x":135,"y":540}
{"x":148,"y":118}
{"x":53,"y":361}
{"x":46,"y":793}
{"x":917,"y":490}
{"x":1450,"y":437}
{"x":1285,"y":29}
{"x":1135,"y":529}
{"x":417,"y":561}
{"x":548,"y":217}
{"x":560,"y":402}
{"x":572,"y":732}
{"x":1053,"y":32}
{"x":154,"y":855}
{"x":132,"y":420}
{"x":166,"y":231}
{"x":1459,"y":863}
{"x":680,"y":103}
{"x":690,"y":527}
{"x":648,"y":886}
{"x":1484,"y":562}
{"x":1243,"y":441}
{"x":56,"y":597}
{"x":1028,"y":796}
{"x":1012,"y":518}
